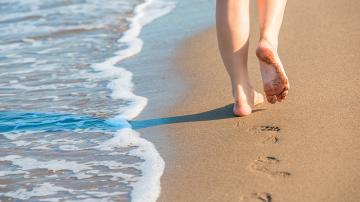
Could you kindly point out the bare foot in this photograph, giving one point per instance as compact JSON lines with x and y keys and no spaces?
{"x":275,"y":81}
{"x":246,"y":99}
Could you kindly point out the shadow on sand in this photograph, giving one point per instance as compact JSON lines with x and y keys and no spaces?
{"x":15,"y":121}
{"x":224,"y":112}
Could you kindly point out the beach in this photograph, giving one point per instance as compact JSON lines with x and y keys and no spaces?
{"x":304,"y":149}
{"x":130,"y":101}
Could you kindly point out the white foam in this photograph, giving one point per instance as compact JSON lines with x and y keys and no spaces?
{"x":21,"y":143}
{"x":7,"y":172}
{"x":68,"y":147}
{"x":40,"y":190}
{"x":26,"y":163}
{"x":147,"y":187}
{"x":122,"y":87}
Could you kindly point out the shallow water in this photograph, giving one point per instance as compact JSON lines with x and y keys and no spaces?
{"x":64,"y":101}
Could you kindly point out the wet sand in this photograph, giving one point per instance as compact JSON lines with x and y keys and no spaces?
{"x":304,"y":149}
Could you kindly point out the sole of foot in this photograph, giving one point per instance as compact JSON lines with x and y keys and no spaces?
{"x":275,"y":81}
{"x":244,"y":107}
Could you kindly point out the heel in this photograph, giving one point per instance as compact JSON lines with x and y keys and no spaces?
{"x":265,"y":54}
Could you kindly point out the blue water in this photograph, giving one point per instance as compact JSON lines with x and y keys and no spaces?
{"x":16,"y":122}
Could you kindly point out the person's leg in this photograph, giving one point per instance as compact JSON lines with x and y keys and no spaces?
{"x":232,"y":25}
{"x":275,"y":81}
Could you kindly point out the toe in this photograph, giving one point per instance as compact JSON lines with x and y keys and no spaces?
{"x":283,"y":95}
{"x":280,"y":97}
{"x":271,"y":98}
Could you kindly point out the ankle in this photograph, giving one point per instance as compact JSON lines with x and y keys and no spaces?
{"x":241,"y":92}
{"x":272,"y":41}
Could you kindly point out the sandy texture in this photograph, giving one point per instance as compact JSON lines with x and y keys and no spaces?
{"x":305,"y":149}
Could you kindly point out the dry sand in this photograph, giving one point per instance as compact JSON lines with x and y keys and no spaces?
{"x":304,"y":149}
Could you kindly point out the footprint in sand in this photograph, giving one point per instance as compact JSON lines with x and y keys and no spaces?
{"x":257,"y":197}
{"x":268,"y":133}
{"x":265,"y":197}
{"x":266,"y":165}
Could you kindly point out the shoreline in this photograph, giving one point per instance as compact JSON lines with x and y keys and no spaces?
{"x":212,"y":156}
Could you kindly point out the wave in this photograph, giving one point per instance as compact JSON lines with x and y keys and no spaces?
{"x":147,"y":188}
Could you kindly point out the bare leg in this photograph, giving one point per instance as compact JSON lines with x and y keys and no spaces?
{"x":232,"y":24}
{"x":275,"y":81}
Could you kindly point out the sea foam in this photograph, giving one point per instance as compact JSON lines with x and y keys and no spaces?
{"x":147,"y":187}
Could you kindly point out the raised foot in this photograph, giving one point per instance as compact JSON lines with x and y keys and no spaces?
{"x":275,"y":81}
{"x":246,"y":102}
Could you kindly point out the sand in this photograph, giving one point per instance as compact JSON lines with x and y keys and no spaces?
{"x":304,"y":149}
